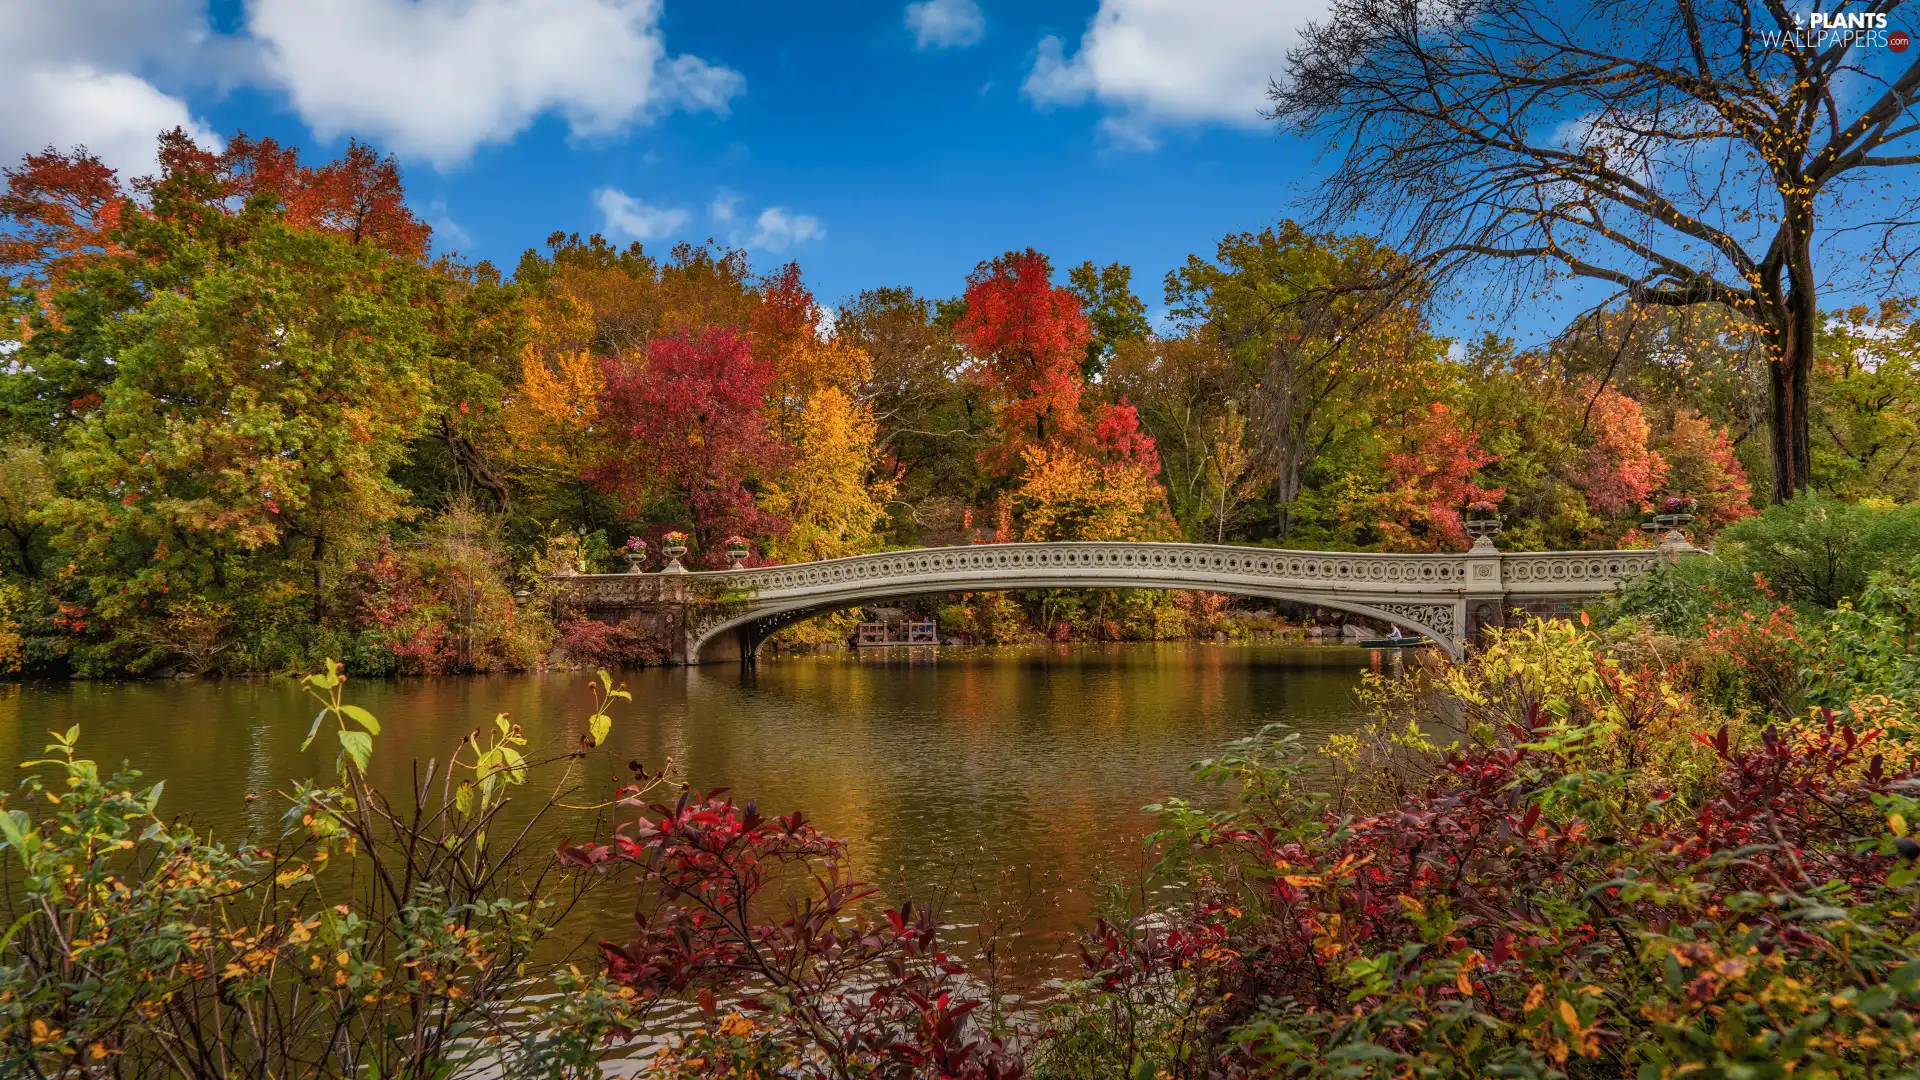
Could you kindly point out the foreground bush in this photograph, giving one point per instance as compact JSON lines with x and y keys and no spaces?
{"x":1591,"y":885}
{"x":373,"y":937}
{"x":424,"y":937}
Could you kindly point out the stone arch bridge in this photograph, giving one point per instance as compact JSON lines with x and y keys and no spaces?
{"x":722,"y":615}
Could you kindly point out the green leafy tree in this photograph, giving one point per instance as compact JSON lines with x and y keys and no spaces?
{"x":1866,"y":418}
{"x":1321,"y":323}
{"x":26,"y":486}
{"x":1115,"y":313}
{"x":1816,"y":549}
{"x":250,"y":427}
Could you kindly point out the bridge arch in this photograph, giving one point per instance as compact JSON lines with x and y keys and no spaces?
{"x":740,"y":636}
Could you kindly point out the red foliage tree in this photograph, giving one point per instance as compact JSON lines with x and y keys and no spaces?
{"x":1030,"y":336}
{"x":686,"y":423}
{"x":359,"y":197}
{"x":58,"y":212}
{"x":1118,"y":437}
{"x":787,"y":309}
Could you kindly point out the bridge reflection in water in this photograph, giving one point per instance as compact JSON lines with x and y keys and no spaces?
{"x":1450,"y":598}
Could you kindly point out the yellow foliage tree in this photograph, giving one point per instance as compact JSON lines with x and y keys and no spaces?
{"x":548,"y":422}
{"x":829,"y":495}
{"x":1065,"y":494}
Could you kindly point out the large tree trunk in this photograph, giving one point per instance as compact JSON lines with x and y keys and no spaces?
{"x":1790,"y":374}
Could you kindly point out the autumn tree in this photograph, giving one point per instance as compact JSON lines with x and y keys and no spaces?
{"x":1105,"y":486}
{"x":1683,"y":160}
{"x":550,"y":431}
{"x":1701,"y":465}
{"x":1431,"y":475}
{"x":1065,"y":493}
{"x":832,"y":494}
{"x":1522,"y":413}
{"x":787,"y":335}
{"x":635,"y":297}
{"x":249,"y":428}
{"x":1318,"y":324}
{"x":1622,"y":470}
{"x":59,"y":212}
{"x":1029,"y":337}
{"x":686,"y":433}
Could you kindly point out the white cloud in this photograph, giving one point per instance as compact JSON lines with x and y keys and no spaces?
{"x":78,"y":75}
{"x":1164,"y":61}
{"x":777,"y":230}
{"x":1129,"y":131}
{"x":946,"y":24}
{"x":439,"y":78}
{"x":115,"y":115}
{"x":626,"y":216}
{"x":448,"y":234}
{"x":721,"y":209}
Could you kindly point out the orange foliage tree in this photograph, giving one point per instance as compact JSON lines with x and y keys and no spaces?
{"x":1067,"y":494}
{"x":1433,"y":479}
{"x":1621,"y":470}
{"x":1701,"y":465}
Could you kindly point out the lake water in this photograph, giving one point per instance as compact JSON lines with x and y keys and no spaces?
{"x":1004,"y":783}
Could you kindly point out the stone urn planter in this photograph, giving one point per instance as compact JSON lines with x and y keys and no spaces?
{"x":737,"y":552}
{"x":1670,"y":521}
{"x":1482,"y":522}
{"x":674,"y":544}
{"x":636,"y":555}
{"x":565,"y":555}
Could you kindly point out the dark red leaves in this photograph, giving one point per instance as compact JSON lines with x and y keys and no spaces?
{"x":687,"y":421}
{"x":872,"y":994}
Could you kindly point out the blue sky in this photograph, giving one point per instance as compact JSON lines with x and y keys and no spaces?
{"x":879,"y":143}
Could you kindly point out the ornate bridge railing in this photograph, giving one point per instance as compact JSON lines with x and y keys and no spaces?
{"x":1448,"y":598}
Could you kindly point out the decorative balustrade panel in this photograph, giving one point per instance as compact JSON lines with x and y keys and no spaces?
{"x":1551,"y":570}
{"x":1115,"y":561}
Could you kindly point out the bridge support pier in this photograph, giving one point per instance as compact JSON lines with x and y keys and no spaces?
{"x":720,"y":648}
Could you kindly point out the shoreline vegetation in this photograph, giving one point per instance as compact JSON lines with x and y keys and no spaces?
{"x":248,"y":422}
{"x":1672,"y":835}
